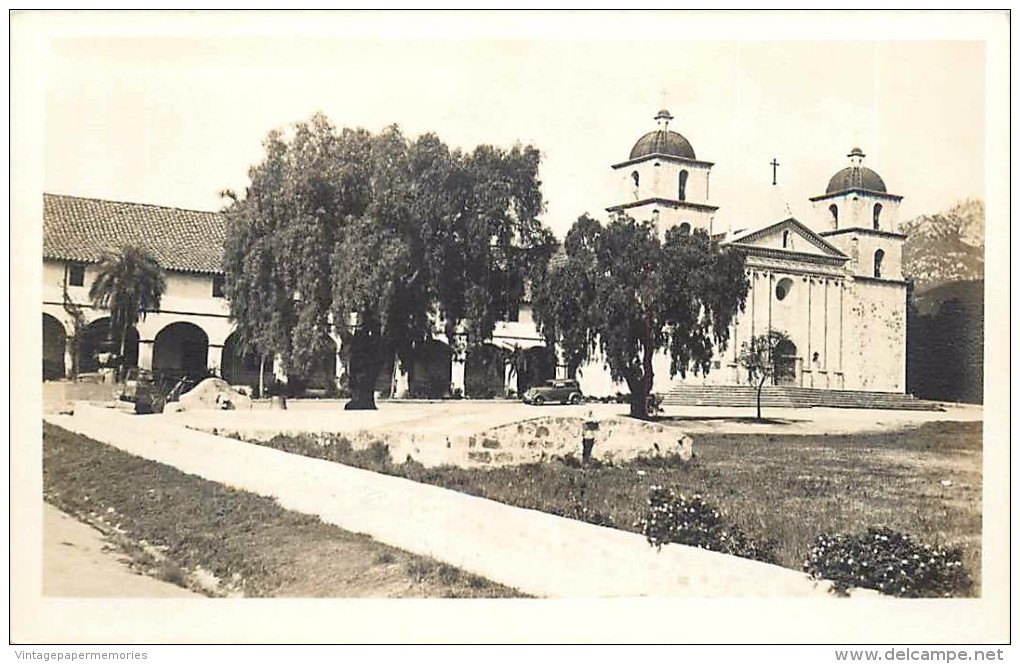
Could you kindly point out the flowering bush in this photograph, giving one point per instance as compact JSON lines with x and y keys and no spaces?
{"x":674,"y":517}
{"x":889,"y":562}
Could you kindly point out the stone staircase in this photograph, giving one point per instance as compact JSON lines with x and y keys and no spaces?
{"x":781,"y":396}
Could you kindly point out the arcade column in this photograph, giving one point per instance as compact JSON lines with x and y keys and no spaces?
{"x":145,"y":347}
{"x":214,"y":355}
{"x":457,"y":375}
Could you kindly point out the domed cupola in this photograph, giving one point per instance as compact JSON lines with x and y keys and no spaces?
{"x":856,"y":198}
{"x":664,"y":182}
{"x":663,"y":141}
{"x":856,"y":176}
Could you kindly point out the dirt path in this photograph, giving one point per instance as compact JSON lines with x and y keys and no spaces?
{"x":77,"y":562}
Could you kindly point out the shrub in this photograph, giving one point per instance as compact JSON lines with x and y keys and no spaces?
{"x":384,"y":558}
{"x":579,"y":507}
{"x":675,"y":518}
{"x":889,"y":562}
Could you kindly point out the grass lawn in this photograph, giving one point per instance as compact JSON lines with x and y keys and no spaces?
{"x":924,"y":482}
{"x":181,"y":528}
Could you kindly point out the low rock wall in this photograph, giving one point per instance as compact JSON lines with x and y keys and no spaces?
{"x":527,"y":441}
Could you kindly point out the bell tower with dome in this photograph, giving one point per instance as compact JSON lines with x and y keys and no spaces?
{"x":859,"y":216}
{"x":664,"y":182}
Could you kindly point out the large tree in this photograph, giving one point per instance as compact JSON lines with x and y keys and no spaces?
{"x":622,"y":293}
{"x":381,"y":240}
{"x":128,"y":283}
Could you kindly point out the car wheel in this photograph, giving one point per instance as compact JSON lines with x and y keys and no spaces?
{"x":575,"y":399}
{"x":538,"y":401}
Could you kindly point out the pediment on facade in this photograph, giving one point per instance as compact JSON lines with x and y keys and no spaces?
{"x":787,"y":236}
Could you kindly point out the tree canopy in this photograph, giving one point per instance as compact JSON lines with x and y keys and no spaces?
{"x":758,"y":357}
{"x":380,"y":239}
{"x":128,"y":283}
{"x":620,"y":292}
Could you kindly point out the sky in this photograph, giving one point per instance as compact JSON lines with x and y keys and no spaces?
{"x":175,"y":117}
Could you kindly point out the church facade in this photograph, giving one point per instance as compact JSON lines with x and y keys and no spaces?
{"x":833,"y":283}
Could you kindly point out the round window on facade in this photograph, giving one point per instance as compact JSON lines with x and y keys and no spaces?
{"x":783,"y":288}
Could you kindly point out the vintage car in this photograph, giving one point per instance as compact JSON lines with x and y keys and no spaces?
{"x":564,"y":391}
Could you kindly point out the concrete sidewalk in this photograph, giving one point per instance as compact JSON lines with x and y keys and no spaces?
{"x":537,"y":553}
{"x":77,"y":562}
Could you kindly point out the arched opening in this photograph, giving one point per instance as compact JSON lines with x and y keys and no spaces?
{"x":431,"y":373}
{"x":875,"y":215}
{"x":98,"y":345}
{"x":685,"y":228}
{"x":834,"y":211}
{"x":879,"y":256}
{"x":636,"y":177}
{"x":484,"y":371}
{"x":54,"y":345}
{"x":784,"y":360}
{"x":786,"y":239}
{"x":682,"y":193}
{"x":534,"y":366}
{"x":240,"y":367}
{"x":180,"y":349}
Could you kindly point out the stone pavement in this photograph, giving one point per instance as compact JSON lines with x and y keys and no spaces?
{"x":537,"y":553}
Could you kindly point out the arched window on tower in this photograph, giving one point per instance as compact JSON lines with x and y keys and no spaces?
{"x":685,"y":228}
{"x":636,"y":178}
{"x":682,"y":193}
{"x":879,"y":255}
{"x":786,"y":239}
{"x":875,"y":215}
{"x":835,"y":214}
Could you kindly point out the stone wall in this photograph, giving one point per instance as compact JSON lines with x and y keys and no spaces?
{"x":529,"y":441}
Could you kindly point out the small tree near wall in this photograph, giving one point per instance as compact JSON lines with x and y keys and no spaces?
{"x":758,"y":358}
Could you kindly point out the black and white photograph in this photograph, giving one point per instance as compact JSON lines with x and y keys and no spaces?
{"x":510,"y":327}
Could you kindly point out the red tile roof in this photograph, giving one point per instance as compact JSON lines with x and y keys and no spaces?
{"x":82,"y":229}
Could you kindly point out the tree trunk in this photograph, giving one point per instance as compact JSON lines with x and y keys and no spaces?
{"x":262,"y":377}
{"x":641,"y":386}
{"x":120,"y":357}
{"x":638,"y":397}
{"x":365,"y":365}
{"x":761,"y":384}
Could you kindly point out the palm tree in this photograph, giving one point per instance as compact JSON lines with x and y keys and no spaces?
{"x":128,"y":284}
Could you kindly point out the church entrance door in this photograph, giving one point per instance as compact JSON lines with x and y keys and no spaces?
{"x":786,"y":363}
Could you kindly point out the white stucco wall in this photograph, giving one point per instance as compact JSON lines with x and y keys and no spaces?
{"x":876,"y":348}
{"x":187,"y":298}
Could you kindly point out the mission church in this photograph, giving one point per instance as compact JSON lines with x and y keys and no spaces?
{"x":832,"y":283}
